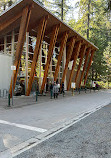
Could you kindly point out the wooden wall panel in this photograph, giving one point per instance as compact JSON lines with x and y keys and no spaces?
{"x":62,"y":47}
{"x":53,"y":39}
{"x":82,"y":53}
{"x":22,"y":33}
{"x":9,"y":22}
{"x":40,"y":35}
{"x":89,"y":65}
{"x":69,"y":54}
{"x":84,"y":67}
{"x":76,"y":54}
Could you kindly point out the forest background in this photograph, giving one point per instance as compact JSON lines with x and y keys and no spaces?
{"x":90,"y":18}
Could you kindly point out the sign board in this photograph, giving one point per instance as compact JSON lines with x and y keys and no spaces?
{"x":13,"y":67}
{"x":70,"y":65}
{"x":73,"y":85}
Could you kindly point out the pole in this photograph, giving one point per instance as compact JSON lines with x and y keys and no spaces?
{"x":12,"y":61}
{"x":85,"y":89}
{"x":12,"y":88}
{"x":9,"y":100}
{"x":62,"y":9}
{"x":79,"y":90}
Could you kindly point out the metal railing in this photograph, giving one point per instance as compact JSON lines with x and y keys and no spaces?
{"x":4,"y":93}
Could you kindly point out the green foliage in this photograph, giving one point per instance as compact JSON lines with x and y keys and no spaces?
{"x":94,"y":23}
{"x":60,"y":8}
{"x":107,"y":56}
{"x":4,"y":4}
{"x":99,"y":33}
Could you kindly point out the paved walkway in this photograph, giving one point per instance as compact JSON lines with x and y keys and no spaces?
{"x":20,"y":101}
{"x":89,"y":138}
{"x":17,"y":125}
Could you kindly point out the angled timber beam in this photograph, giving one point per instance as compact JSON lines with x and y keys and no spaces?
{"x":82,"y":53}
{"x":34,"y":25}
{"x":21,"y":38}
{"x":76,"y":54}
{"x":89,"y":65}
{"x":40,"y":35}
{"x":9,"y":22}
{"x":48,"y":31}
{"x":69,"y":52}
{"x":69,"y":40}
{"x":84,"y":67}
{"x":50,"y":52}
{"x":62,"y":47}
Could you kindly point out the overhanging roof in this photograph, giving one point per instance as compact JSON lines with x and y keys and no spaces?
{"x":37,"y":13}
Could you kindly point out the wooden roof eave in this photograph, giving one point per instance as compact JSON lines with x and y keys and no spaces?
{"x":64,"y":27}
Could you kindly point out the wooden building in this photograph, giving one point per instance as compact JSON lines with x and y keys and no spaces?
{"x":42,"y":47}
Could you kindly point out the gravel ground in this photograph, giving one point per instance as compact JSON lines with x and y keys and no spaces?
{"x":89,"y":138}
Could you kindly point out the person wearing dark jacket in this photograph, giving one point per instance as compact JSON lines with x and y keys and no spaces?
{"x":62,"y":90}
{"x":51,"y":90}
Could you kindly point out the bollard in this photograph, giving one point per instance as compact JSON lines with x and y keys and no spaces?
{"x":85,"y":89}
{"x":9,"y":100}
{"x":90,"y":90}
{"x":79,"y":90}
{"x":36,"y":95}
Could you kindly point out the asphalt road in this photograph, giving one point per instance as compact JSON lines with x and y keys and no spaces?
{"x":20,"y":124}
{"x":89,"y":138}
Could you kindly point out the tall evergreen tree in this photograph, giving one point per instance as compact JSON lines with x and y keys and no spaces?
{"x":95,"y":25}
{"x":60,"y":8}
{"x":4,"y":4}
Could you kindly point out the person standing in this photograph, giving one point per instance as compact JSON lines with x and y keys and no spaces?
{"x":51,"y":90}
{"x":37,"y":88}
{"x":54,"y":90}
{"x":57,"y":90}
{"x":62,"y":90}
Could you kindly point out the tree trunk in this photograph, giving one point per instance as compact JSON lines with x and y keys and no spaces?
{"x":88,"y":18}
{"x":96,"y":76}
{"x":92,"y":74}
{"x":62,"y":9}
{"x":4,"y":6}
{"x":10,"y":3}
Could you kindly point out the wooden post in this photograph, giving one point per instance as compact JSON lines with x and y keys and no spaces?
{"x":5,"y":44}
{"x":62,"y":47}
{"x":77,"y":50}
{"x":50,"y":52}
{"x":90,"y":61}
{"x":63,"y":67}
{"x":40,"y":35}
{"x":82,"y":53}
{"x":12,"y":47}
{"x":40,"y":68}
{"x":84,"y":67}
{"x":26,"y":67}
{"x":22,"y":32}
{"x":69,"y":52}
